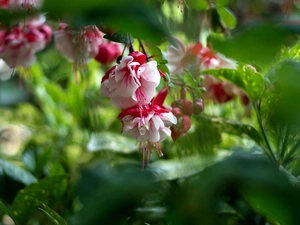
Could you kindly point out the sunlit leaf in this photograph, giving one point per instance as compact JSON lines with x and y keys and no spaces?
{"x":17,"y":172}
{"x":198,"y":5}
{"x":227,"y":18}
{"x":111,"y":142}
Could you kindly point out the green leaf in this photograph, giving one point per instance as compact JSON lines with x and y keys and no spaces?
{"x":125,"y":38}
{"x":156,"y":54}
{"x":236,"y":128}
{"x":267,"y":190}
{"x":222,"y":2}
{"x":190,"y":80}
{"x":163,"y":68}
{"x":244,"y":77}
{"x":138,"y":18}
{"x":227,"y":18}
{"x":25,"y":203}
{"x":111,"y":142}
{"x":55,"y":217}
{"x":184,"y":167}
{"x":17,"y":173}
{"x":258,"y":44}
{"x":4,"y":209}
{"x":198,"y":5}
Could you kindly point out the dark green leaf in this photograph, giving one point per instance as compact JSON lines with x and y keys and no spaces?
{"x":260,"y":183}
{"x":17,"y":173}
{"x":244,"y":77}
{"x":125,"y":38}
{"x":137,"y":18}
{"x":25,"y":203}
{"x":256,"y":45}
{"x":227,"y":18}
{"x":4,"y":209}
{"x":55,"y":217}
{"x":236,"y":128}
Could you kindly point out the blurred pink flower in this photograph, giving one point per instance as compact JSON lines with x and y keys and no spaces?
{"x":24,"y":4}
{"x":78,"y":45}
{"x":131,"y":82}
{"x":195,"y":58}
{"x":19,"y":44}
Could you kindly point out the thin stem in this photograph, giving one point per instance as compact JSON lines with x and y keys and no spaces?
{"x":285,"y":143}
{"x":290,"y":154}
{"x":268,"y":150}
{"x":143,"y":48}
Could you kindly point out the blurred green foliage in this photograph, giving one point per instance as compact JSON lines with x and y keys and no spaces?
{"x":64,"y":161}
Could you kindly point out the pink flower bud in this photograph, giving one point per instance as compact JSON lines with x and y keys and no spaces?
{"x":108,"y":52}
{"x":198,"y":106}
{"x":183,"y":124}
{"x":185,"y":105}
{"x":138,"y":57}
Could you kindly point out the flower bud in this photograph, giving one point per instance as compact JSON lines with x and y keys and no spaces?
{"x":198,"y":106}
{"x":185,"y":105}
{"x":108,"y":52}
{"x":138,"y":57}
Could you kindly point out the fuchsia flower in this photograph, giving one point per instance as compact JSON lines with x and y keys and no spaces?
{"x":78,"y":45}
{"x":131,"y":85}
{"x":149,"y":124}
{"x":24,"y":4}
{"x":19,"y":44}
{"x":132,"y":82}
{"x":197,"y":58}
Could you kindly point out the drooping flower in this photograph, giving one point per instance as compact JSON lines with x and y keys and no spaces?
{"x":149,"y":125}
{"x":218,"y":90}
{"x":19,"y":44}
{"x":25,"y":5}
{"x":78,"y":45}
{"x":132,"y":82}
{"x":196,"y":58}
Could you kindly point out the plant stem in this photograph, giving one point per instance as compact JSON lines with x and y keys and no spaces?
{"x":267,"y":150}
{"x":143,"y":48}
{"x":290,"y":154}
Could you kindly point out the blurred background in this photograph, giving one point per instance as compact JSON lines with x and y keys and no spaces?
{"x":64,"y":160}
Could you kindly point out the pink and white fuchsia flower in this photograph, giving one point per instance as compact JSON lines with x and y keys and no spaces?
{"x":132,"y":82}
{"x":149,"y":124}
{"x":79,"y":46}
{"x":19,"y":44}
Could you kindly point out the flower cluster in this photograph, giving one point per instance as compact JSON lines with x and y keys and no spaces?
{"x":196,"y":59}
{"x":20,"y":43}
{"x":131,"y":86}
{"x":82,"y":45}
